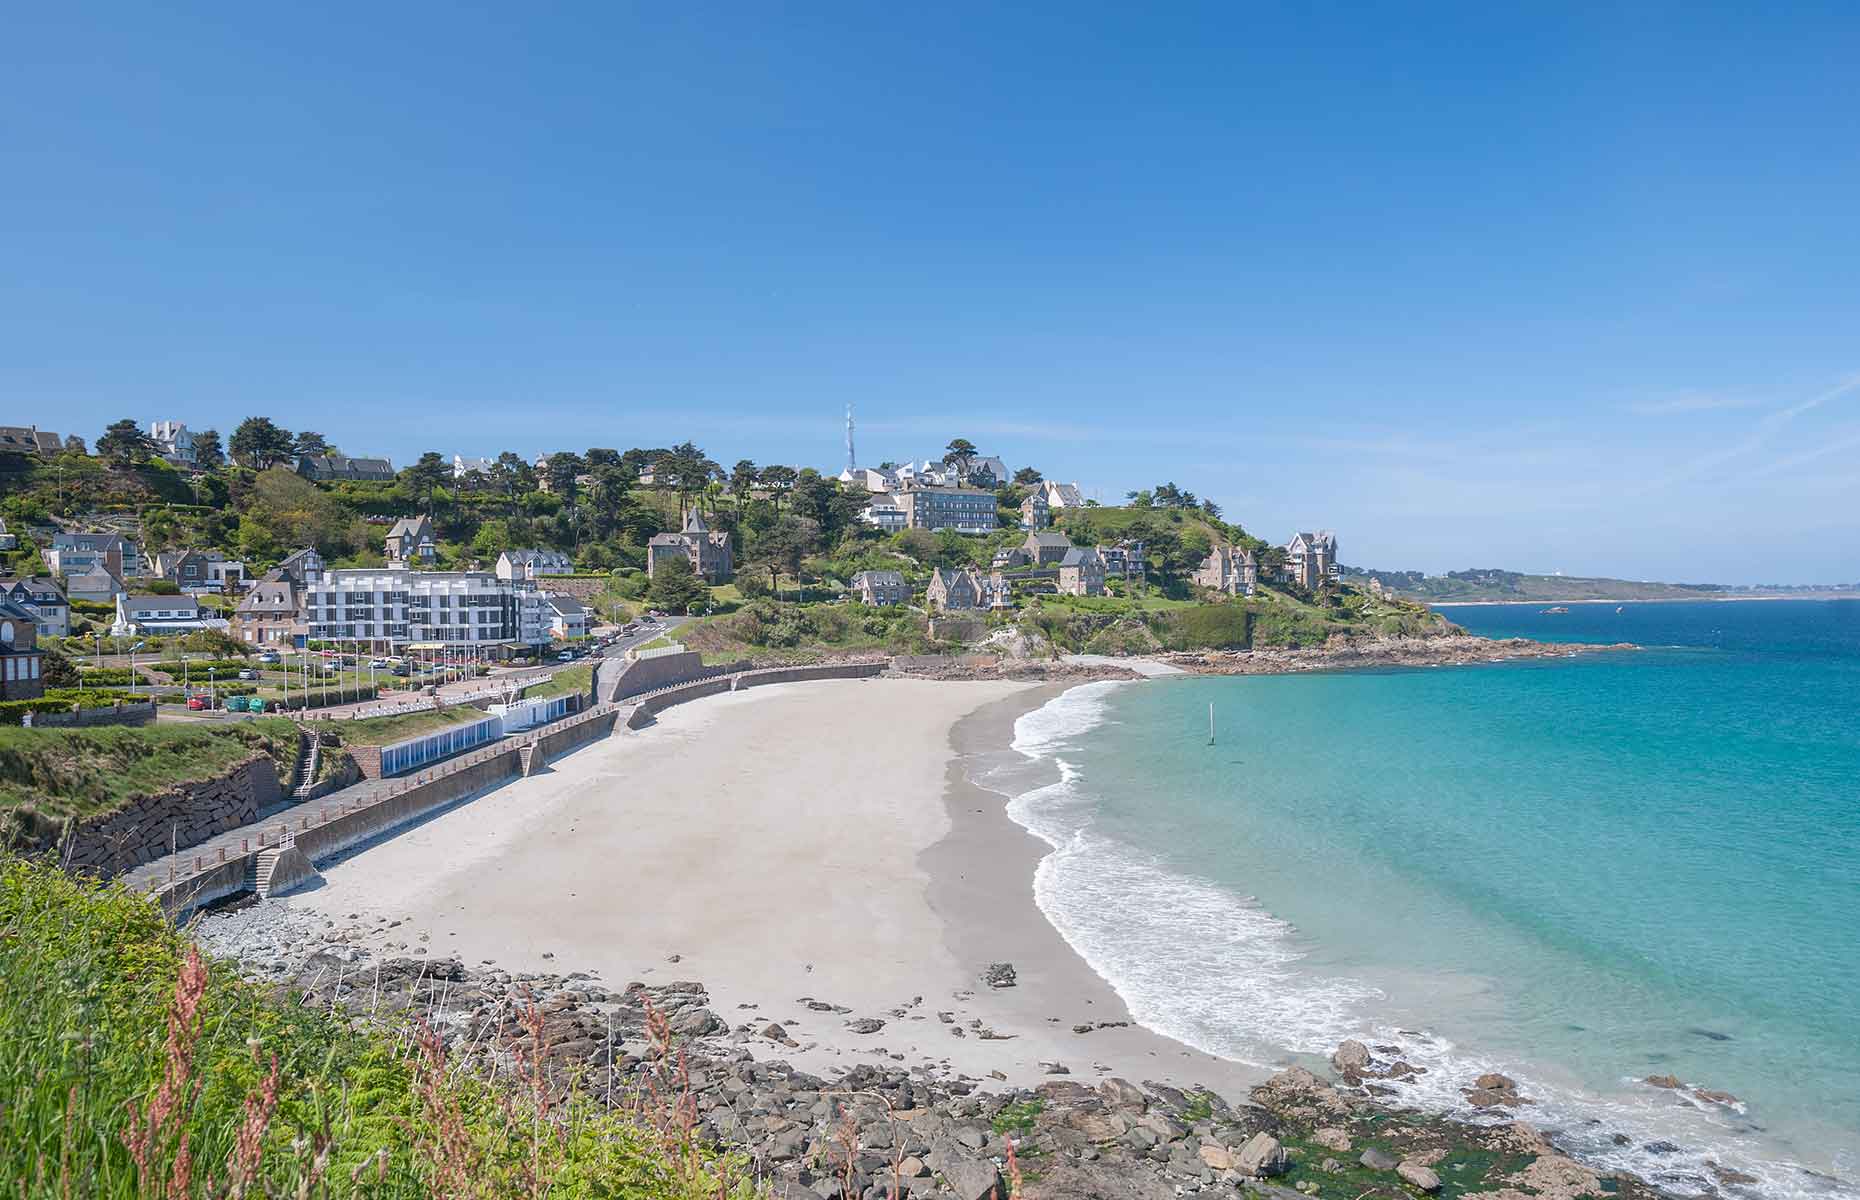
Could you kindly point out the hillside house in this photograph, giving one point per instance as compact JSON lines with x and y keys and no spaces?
{"x":954,"y":591}
{"x":44,"y":599}
{"x":1045,"y":548}
{"x":887,"y":512}
{"x":200,"y":570}
{"x":881,"y":589}
{"x":76,"y":553}
{"x":1035,"y":512}
{"x":1081,"y":573}
{"x":1062,"y":495}
{"x":1311,"y":559}
{"x":99,"y":585}
{"x":22,"y":664}
{"x":1231,"y":570}
{"x":462,"y":467}
{"x":1007,"y":558}
{"x":533,"y":564}
{"x":1125,"y":560}
{"x":707,"y":550}
{"x":173,"y":442}
{"x":330,"y":468}
{"x":411,"y":541}
{"x":30,"y":439}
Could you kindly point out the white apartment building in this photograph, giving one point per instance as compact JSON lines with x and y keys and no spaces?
{"x":402,"y":607}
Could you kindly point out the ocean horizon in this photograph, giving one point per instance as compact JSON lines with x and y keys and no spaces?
{"x":1580,"y":872}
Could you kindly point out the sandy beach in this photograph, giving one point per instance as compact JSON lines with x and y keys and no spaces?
{"x":801,"y":842}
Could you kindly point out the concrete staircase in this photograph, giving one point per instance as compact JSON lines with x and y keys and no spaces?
{"x":307,"y":768}
{"x":277,"y":869}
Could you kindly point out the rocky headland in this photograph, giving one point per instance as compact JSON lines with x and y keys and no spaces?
{"x":1342,"y":654}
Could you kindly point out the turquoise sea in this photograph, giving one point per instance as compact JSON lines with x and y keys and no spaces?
{"x":1578,"y":871}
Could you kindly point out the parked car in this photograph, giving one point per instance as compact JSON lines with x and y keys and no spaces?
{"x":247,"y":673}
{"x":197,"y":703}
{"x":377,"y":663}
{"x":235,"y":704}
{"x":565,"y":656}
{"x":271,"y":656}
{"x":254,"y":704}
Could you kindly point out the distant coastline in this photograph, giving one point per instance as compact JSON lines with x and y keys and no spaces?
{"x":1647,"y":600}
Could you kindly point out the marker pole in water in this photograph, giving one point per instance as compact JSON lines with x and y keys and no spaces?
{"x":1210,"y":722}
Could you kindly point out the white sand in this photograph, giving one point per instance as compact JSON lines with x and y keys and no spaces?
{"x":775,"y":840}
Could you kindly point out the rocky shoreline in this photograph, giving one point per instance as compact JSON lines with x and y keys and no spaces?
{"x":879,"y":1129}
{"x":1342,"y":654}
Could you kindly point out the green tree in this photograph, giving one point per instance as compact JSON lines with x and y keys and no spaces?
{"x":959,"y":454}
{"x":778,"y":480}
{"x":781,"y":548}
{"x":512,"y":476}
{"x":561,"y":469}
{"x":259,"y":443}
{"x":124,"y":443}
{"x":1027,"y":477}
{"x":207,"y":450}
{"x":743,"y":478}
{"x":1141,"y":499}
{"x":309,"y":442}
{"x":425,"y":477}
{"x":675,"y":587}
{"x":57,"y":671}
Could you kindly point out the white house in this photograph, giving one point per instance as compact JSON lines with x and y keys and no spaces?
{"x":532,"y":564}
{"x":160,"y":614}
{"x":1063,"y":495}
{"x":462,"y":466}
{"x":173,"y":442}
{"x":568,"y":618}
{"x":886,"y":511}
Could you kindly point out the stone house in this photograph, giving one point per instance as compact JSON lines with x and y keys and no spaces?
{"x":1007,"y":558}
{"x":1311,"y":559}
{"x":997,"y":593}
{"x":1035,"y":512}
{"x":881,"y":588}
{"x":1125,"y":560}
{"x":1046,"y":548}
{"x":1231,"y":570}
{"x":272,"y":612}
{"x":412,"y":541}
{"x":44,"y":599}
{"x":707,"y":550}
{"x":1081,"y":573}
{"x":30,"y":439}
{"x":22,"y":664}
{"x":954,"y":591}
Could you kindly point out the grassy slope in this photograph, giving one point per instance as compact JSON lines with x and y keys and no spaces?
{"x":381,"y":731}
{"x":84,"y":772}
{"x":89,"y":1007}
{"x":1550,"y":589}
{"x":577,"y":678}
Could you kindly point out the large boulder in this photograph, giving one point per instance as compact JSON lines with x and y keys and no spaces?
{"x":1418,"y":1175}
{"x":1351,"y":1058}
{"x":1262,"y":1156}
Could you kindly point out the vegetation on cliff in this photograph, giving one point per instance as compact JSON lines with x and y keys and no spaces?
{"x":48,"y":776}
{"x":135,"y":1068}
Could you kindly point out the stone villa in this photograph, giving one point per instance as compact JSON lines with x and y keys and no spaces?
{"x":1081,"y":573}
{"x":1311,"y":558}
{"x":22,"y":665}
{"x":1229,"y":569}
{"x":412,"y":541}
{"x":881,"y":588}
{"x":707,"y":550}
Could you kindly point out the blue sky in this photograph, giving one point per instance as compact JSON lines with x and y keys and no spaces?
{"x":1554,"y":287}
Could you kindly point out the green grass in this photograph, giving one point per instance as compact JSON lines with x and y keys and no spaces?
{"x":80,"y":773}
{"x":1019,"y":1117}
{"x":382,"y":731}
{"x":567,"y":681}
{"x":106,"y":1003}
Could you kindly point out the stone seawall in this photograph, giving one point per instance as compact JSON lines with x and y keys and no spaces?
{"x":356,"y":827}
{"x":178,"y":817}
{"x":751,"y":679}
{"x":664,"y":670}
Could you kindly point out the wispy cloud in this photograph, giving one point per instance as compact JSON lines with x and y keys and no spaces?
{"x":1758,"y":436}
{"x":1691,"y":402}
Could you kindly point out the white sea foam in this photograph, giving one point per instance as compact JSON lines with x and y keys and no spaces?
{"x":1216,"y":971}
